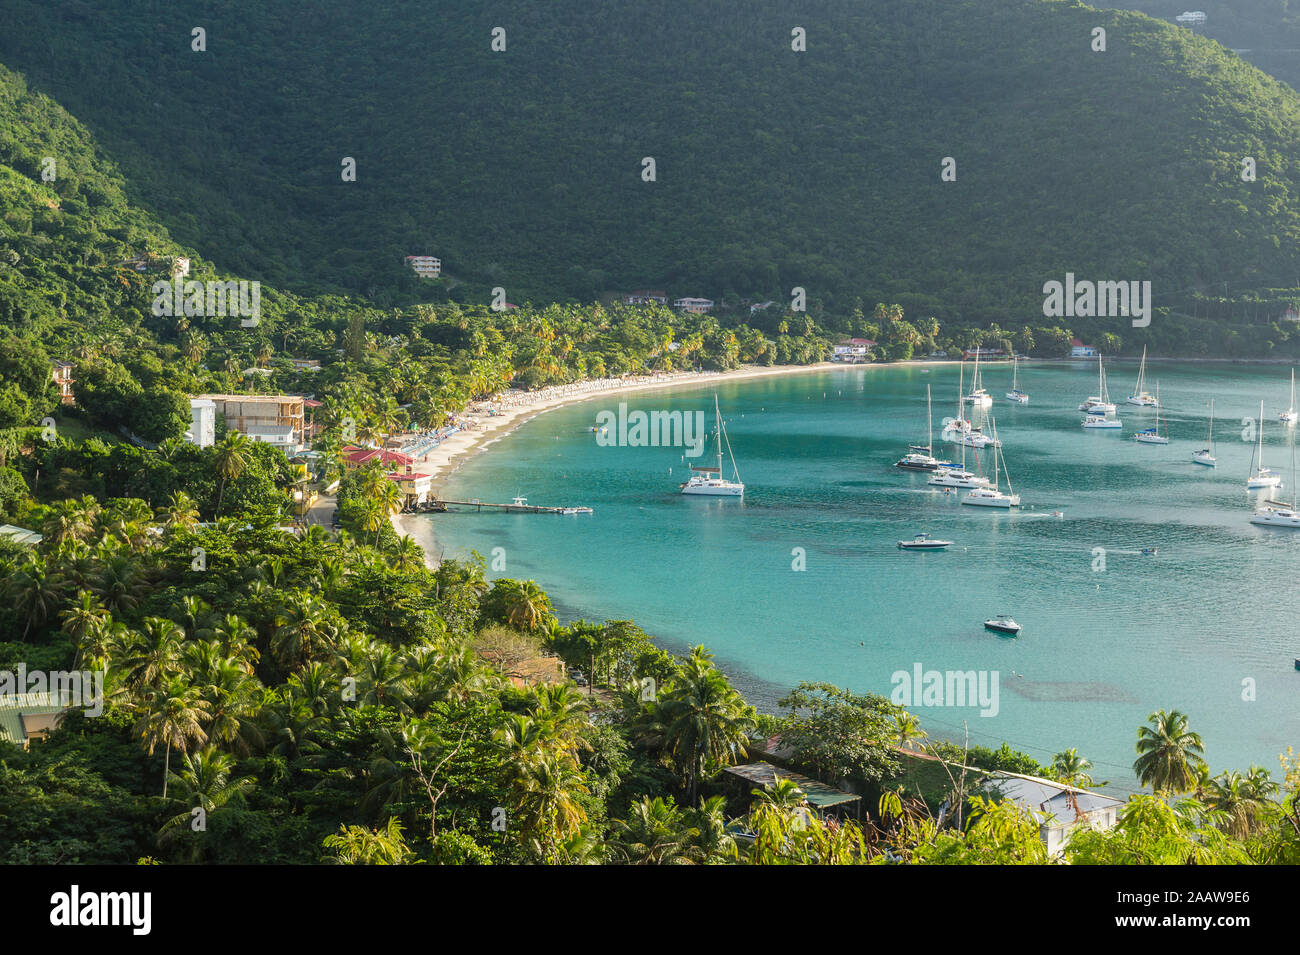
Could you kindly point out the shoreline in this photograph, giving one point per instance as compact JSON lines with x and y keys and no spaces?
{"x":440,"y":462}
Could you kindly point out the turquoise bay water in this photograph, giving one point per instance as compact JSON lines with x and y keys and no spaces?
{"x":1101,"y":649}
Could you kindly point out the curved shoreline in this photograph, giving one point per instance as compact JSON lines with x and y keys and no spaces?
{"x":440,"y":462}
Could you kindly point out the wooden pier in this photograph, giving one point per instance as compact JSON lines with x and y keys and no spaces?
{"x":519,"y":506}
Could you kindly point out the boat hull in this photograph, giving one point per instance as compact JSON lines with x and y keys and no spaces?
{"x":714,"y":490}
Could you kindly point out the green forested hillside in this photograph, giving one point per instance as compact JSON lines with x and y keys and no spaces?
{"x":775,"y":168}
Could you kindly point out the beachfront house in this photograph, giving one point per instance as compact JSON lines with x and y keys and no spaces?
{"x":969,"y":354}
{"x":696,"y":306}
{"x":1058,"y":808}
{"x":425,"y":266}
{"x":853,"y":351}
{"x":268,"y":419}
{"x":355,"y":456}
{"x":1079,"y":350}
{"x":62,"y":376}
{"x":416,"y":487}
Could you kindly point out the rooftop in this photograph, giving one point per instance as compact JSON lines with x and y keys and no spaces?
{"x":819,"y":795}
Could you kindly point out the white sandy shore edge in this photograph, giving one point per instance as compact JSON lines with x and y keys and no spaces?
{"x":439,"y":461}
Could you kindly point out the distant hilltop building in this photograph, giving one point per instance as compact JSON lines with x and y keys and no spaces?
{"x":646,"y":297}
{"x":425,"y":266}
{"x":760,"y":306}
{"x":1291,"y":315}
{"x":1191,"y":18}
{"x":696,"y":306}
{"x":1079,"y":350}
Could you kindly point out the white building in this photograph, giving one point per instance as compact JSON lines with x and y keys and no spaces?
{"x":1079,"y":350}
{"x":203,"y":423}
{"x":1191,"y":18}
{"x":853,"y":350}
{"x":425,"y":266}
{"x":1057,"y":807}
{"x":696,"y":306}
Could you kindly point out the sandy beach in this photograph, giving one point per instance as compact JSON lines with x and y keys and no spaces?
{"x":516,"y":408}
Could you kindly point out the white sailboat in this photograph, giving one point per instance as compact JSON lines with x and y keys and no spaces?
{"x":1263,"y":477}
{"x":1099,"y":404}
{"x":1277,"y":514}
{"x":958,"y":477}
{"x":1289,"y":416}
{"x":921,"y":458}
{"x":1015,"y":394}
{"x":1140,"y":395}
{"x":978,"y":397}
{"x":960,"y":429}
{"x":708,"y":480}
{"x":1153,"y":435}
{"x":1206,"y":455}
{"x":993,"y":496}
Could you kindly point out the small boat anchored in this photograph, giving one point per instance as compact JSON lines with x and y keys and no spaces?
{"x":1015,"y":394}
{"x":1152,"y":435}
{"x":924,"y":542}
{"x":1262,"y":477}
{"x":1140,"y":396}
{"x":1003,"y":623}
{"x":1099,"y":404}
{"x":1289,"y":417}
{"x":1102,"y":423}
{"x":1206,"y":456}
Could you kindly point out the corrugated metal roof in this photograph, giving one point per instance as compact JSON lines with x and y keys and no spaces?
{"x":818,"y":794}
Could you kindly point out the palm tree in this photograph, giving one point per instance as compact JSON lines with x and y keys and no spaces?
{"x":908,"y":727}
{"x":1168,"y":753}
{"x":233,"y":456}
{"x":655,"y":832}
{"x":304,"y":629}
{"x":706,"y":722}
{"x":356,"y":845}
{"x":173,"y":716}
{"x":524,"y":605}
{"x":68,"y":520}
{"x":35,"y":592}
{"x":1243,"y":800}
{"x":205,"y":785}
{"x":179,"y":512}
{"x":1069,"y":767}
{"x":152,"y":655}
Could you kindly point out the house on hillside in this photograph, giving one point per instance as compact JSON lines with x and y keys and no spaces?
{"x":20,"y":535}
{"x":355,"y":456}
{"x":425,"y":266}
{"x":1191,"y":18}
{"x":62,"y":376}
{"x":646,"y":297}
{"x":28,"y":716}
{"x":269,"y":419}
{"x":1079,"y":350}
{"x":696,"y":306}
{"x":203,"y":423}
{"x":969,"y":354}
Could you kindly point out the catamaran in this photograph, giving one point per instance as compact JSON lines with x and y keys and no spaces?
{"x":1277,"y":514}
{"x":1263,"y":477}
{"x":1153,"y":435}
{"x":1099,"y":403}
{"x":1289,"y":416}
{"x":1206,"y":455}
{"x":1140,"y":396}
{"x":708,"y":480}
{"x":958,"y":476}
{"x":1100,"y":422}
{"x":993,"y":496}
{"x":1015,"y":394}
{"x":960,"y":429}
{"x":919,"y":457}
{"x":978,"y":397}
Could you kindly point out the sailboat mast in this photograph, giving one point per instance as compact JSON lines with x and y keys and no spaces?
{"x":929,"y":423}
{"x":717,"y":417}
